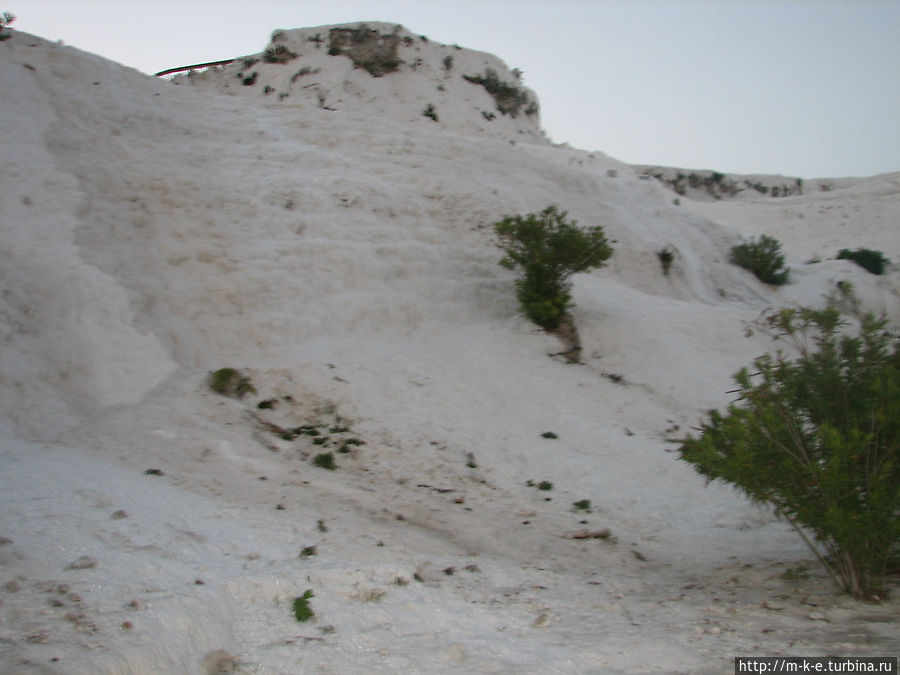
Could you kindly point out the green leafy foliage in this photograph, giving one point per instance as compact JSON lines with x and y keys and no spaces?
{"x":548,"y":249}
{"x":872,"y":261}
{"x":763,"y":258}
{"x":818,"y":437}
{"x":325,"y":460}
{"x":230,"y":382}
{"x":430,"y":111}
{"x":582,"y":505}
{"x":301,"y":609}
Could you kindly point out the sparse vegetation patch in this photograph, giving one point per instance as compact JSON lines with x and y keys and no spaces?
{"x":544,"y":485}
{"x":325,"y":460}
{"x":278,"y":53}
{"x":510,"y":99}
{"x":872,"y":261}
{"x":366,"y":48}
{"x":230,"y":382}
{"x":430,"y":112}
{"x":582,"y":505}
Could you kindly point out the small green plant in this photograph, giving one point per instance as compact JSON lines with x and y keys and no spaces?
{"x":278,"y":54}
{"x":308,"y":551}
{"x":545,"y":485}
{"x":448,"y":62}
{"x":430,"y":112}
{"x":250,"y":79}
{"x":818,"y":437}
{"x":582,"y":505}
{"x":549,"y":434}
{"x":763,"y":258}
{"x":301,"y":609}
{"x":666,"y":257}
{"x":230,"y":382}
{"x":549,"y":249}
{"x":872,"y":261}
{"x":325,"y":460}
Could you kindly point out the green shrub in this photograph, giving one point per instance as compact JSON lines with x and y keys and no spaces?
{"x":548,"y":249}
{"x":582,"y":505}
{"x":873,"y":261}
{"x":230,"y":382}
{"x":301,"y":609}
{"x":818,"y":437}
{"x":325,"y":460}
{"x":763,"y":258}
{"x":430,"y":112}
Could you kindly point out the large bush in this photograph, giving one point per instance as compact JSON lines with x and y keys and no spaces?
{"x":548,"y":249}
{"x":763,"y":258}
{"x":818,"y":437}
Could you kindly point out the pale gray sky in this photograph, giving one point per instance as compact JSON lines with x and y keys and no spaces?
{"x":807,"y":88}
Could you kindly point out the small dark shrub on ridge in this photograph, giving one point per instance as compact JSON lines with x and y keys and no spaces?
{"x":872,"y":261}
{"x":763,"y":258}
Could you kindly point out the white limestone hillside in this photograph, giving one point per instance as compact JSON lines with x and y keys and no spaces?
{"x":341,"y":257}
{"x":380,"y":69}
